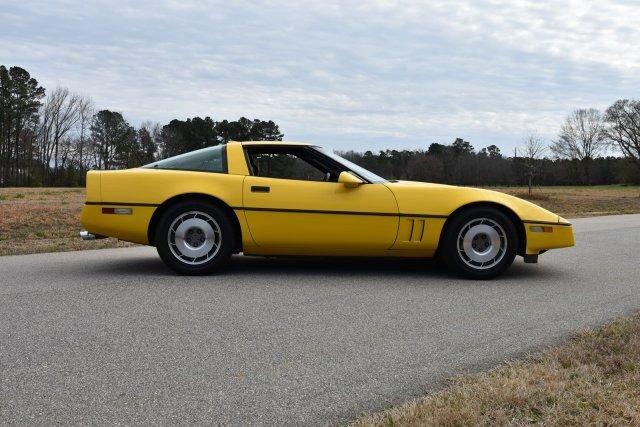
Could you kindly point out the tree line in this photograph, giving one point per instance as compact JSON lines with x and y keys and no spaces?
{"x":460,"y":164}
{"x":53,"y":139}
{"x":578,"y":156}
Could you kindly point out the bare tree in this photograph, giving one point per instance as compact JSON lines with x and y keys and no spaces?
{"x":86,"y":110}
{"x":623,"y":127}
{"x":60,"y":114}
{"x":532,"y":150}
{"x":581,"y":137}
{"x":148,"y":135}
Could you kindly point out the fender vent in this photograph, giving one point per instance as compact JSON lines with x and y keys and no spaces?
{"x":412,"y":230}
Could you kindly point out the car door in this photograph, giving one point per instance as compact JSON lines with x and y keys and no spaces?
{"x":292,"y":200}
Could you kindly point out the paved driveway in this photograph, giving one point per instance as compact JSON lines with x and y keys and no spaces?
{"x":112,"y":336}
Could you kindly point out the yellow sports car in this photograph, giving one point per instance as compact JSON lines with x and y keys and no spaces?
{"x":282,"y":198}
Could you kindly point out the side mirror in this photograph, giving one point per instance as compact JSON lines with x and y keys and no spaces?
{"x":349,"y":180}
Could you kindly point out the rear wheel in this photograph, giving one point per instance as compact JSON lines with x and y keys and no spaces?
{"x":194,"y":238}
{"x":480,"y":243}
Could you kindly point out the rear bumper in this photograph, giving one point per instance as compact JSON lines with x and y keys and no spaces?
{"x":545,"y":236}
{"x":104,"y":220}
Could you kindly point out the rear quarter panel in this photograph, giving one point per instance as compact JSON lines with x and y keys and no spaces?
{"x":143,"y":190}
{"x":154,"y":186}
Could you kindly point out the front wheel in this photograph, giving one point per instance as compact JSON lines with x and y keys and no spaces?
{"x":480,"y":243}
{"x":194,"y":238}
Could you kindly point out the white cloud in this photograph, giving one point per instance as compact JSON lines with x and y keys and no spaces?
{"x":375,"y":74}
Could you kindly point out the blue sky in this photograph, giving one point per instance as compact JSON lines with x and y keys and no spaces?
{"x":346,"y":75}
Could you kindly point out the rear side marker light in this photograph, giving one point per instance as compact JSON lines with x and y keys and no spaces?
{"x":541,"y":229}
{"x":117,"y":211}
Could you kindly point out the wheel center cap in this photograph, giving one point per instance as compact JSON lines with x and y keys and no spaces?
{"x":481,"y":242}
{"x":195,"y":237}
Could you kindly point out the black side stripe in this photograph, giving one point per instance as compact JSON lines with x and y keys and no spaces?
{"x":529,"y":221}
{"x":312,"y":211}
{"x":150,"y":205}
{"x":423,"y":215}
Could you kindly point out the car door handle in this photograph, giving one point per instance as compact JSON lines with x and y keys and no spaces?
{"x":259,"y":189}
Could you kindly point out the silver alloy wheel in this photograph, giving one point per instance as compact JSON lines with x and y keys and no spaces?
{"x":194,"y":237}
{"x":482,"y":243}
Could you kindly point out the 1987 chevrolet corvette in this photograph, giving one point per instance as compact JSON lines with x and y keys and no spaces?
{"x":281,"y":198}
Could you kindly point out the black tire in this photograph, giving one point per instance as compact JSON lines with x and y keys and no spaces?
{"x":470,"y":248}
{"x":190,"y":228}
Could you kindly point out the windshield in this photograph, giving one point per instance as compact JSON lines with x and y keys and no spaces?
{"x":360,"y":171}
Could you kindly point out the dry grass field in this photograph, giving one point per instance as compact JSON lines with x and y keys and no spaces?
{"x":43,"y":220}
{"x":594,"y":379}
{"x":574,"y":202}
{"x":47,"y":219}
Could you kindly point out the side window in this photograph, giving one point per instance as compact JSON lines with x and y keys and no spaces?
{"x":285,"y":164}
{"x":210,"y":159}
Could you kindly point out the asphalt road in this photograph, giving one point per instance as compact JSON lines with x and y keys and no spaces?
{"x":111,"y":336}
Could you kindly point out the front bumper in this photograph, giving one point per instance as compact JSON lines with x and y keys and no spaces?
{"x":544,"y":236}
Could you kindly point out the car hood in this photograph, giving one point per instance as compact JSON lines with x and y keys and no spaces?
{"x":423,"y":198}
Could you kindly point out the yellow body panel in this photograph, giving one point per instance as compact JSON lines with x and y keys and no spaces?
{"x":287,"y":216}
{"x":131,"y":228}
{"x":307,"y":217}
{"x":154,"y":186}
{"x":93,"y":186}
{"x":561,"y":236}
{"x":439,"y":199}
{"x":236,"y":162}
{"x":150,"y":187}
{"x":419,"y":233}
{"x":355,"y":252}
{"x":419,"y":198}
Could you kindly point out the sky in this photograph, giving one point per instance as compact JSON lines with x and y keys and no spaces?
{"x":348,"y":75}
